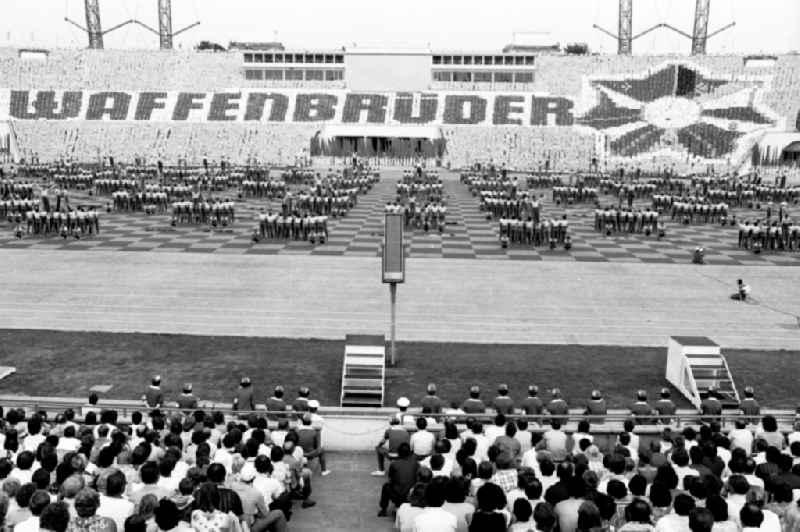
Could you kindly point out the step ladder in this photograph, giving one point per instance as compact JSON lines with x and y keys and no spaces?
{"x":695,"y":364}
{"x":363,"y":370}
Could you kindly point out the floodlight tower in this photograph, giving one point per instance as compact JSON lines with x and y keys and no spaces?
{"x":93,"y":28}
{"x":165,"y":24}
{"x":625,"y":28}
{"x":700,"y":32}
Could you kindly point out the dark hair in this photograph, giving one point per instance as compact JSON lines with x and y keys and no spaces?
{"x":207,"y":498}
{"x":616,"y":488}
{"x":638,"y":511}
{"x":216,"y":473}
{"x":546,"y":467}
{"x":404,"y":450}
{"x":769,"y":423}
{"x":701,"y":520}
{"x":167,"y":515}
{"x":666,"y":476}
{"x":55,"y":517}
{"x":718,"y":508}
{"x":39,"y":501}
{"x":136,"y":523}
{"x":683,"y":504}
{"x":589,"y":517}
{"x":751,"y":515}
{"x":435,"y":492}
{"x":455,"y":490}
{"x":24,"y":494}
{"x":522,"y":510}
{"x":544,"y":517}
{"x":149,"y":472}
{"x":660,"y":495}
{"x":115,"y":484}
{"x":491,"y":497}
{"x":738,"y":484}
{"x":637,"y":485}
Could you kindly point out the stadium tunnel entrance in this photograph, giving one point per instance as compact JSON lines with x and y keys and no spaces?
{"x":379,"y":141}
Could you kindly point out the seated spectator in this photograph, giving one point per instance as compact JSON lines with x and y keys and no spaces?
{"x":401,"y":477}
{"x":434,"y":518}
{"x":408,"y":511}
{"x":86,"y":503}
{"x":637,"y":517}
{"x":38,"y":502}
{"x":523,"y":517}
{"x":456,"y":490}
{"x":490,"y":515}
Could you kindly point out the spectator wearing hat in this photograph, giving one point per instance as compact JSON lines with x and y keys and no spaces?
{"x":394,"y":436}
{"x":641,"y":409}
{"x":402,"y":415}
{"x":557,"y":407}
{"x":308,"y":439}
{"x":244,"y":396}
{"x":431,"y":402}
{"x":153,"y":397}
{"x":255,"y":512}
{"x":503,"y":404}
{"x":86,"y":503}
{"x":596,"y":407}
{"x":710,"y":407}
{"x":317,"y":421}
{"x":532,"y":405}
{"x":187,"y":401}
{"x":473,"y":404}
{"x":300,"y":404}
{"x":276,"y":404}
{"x":750,"y":407}
{"x":401,"y":477}
{"x":665,"y":407}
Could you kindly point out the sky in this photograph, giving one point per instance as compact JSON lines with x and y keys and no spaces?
{"x":486,"y":25}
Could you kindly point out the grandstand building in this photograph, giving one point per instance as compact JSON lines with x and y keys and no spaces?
{"x":270,"y":105}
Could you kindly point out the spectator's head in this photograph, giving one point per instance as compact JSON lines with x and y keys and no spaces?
{"x":660,"y":495}
{"x":485,"y":470}
{"x":616,"y":489}
{"x":71,"y":486}
{"x":637,"y":485}
{"x":522,"y":510}
{"x":544,"y":517}
{"x":491,"y":497}
{"x":751,"y":516}
{"x":684,"y":504}
{"x":136,"y":523}
{"x":216,"y":473}
{"x":86,"y":502}
{"x":207,"y":498}
{"x":115,"y":484}
{"x":167,"y":515}
{"x":718,"y":507}
{"x":404,"y":450}
{"x":589,"y":517}
{"x":54,"y":517}
{"x":435,"y":492}
{"x":416,"y":496}
{"x":455,"y":490}
{"x":701,"y":520}
{"x":738,"y":484}
{"x":769,"y":423}
{"x":638,"y":511}
{"x":422,"y":423}
{"x":149,"y":473}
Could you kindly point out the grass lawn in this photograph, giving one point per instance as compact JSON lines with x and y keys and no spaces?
{"x":69,"y":363}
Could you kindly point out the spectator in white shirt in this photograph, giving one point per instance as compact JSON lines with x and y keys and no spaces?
{"x":554,"y":441}
{"x":737,"y":491}
{"x":39,"y":500}
{"x":269,"y":487}
{"x":678,"y":520}
{"x":496,"y":429}
{"x":680,"y":462}
{"x":112,"y":504}
{"x":423,"y":440}
{"x":24,"y":470}
{"x":35,"y":436}
{"x":741,"y":437}
{"x":455,"y":495}
{"x":434,"y":518}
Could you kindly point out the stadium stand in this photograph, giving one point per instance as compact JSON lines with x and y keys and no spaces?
{"x":730,"y":91}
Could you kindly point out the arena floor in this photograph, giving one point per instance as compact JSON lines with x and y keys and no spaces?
{"x":468,"y":234}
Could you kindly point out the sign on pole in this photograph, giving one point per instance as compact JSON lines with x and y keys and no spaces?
{"x":394,"y":263}
{"x":393,"y":269}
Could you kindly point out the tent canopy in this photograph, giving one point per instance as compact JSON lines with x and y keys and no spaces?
{"x":330,"y":131}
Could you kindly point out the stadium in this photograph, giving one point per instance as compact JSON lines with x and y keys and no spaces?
{"x":534,"y":281}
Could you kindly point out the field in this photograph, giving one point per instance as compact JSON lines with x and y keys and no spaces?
{"x":68,"y":363}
